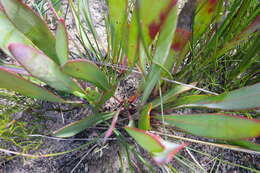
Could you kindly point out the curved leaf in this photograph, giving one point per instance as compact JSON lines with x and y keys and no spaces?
{"x":43,"y":68}
{"x":240,"y":99}
{"x":189,"y":99}
{"x":86,"y":70}
{"x":13,"y":82}
{"x":219,"y":126}
{"x":31,"y":25}
{"x":76,"y":127}
{"x":162,"y":151}
{"x":147,"y":140}
{"x":170,"y":150}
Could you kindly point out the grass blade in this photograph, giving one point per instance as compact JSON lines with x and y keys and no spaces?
{"x":246,"y":144}
{"x":117,"y":20}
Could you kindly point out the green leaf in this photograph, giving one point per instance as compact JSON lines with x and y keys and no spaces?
{"x":117,"y":21}
{"x":10,"y":34}
{"x":13,"y":82}
{"x":162,"y":151}
{"x":246,"y":144}
{"x":219,"y":126}
{"x":205,"y":12}
{"x":154,"y":17}
{"x":86,"y":70}
{"x":240,"y":99}
{"x":31,"y":25}
{"x":171,"y":95}
{"x":144,"y":120}
{"x":147,"y":22}
{"x":133,"y":41}
{"x":62,"y":49}
{"x":78,"y":126}
{"x":43,"y":68}
{"x":166,"y":25}
{"x":92,"y":95}
{"x":147,"y":140}
{"x":189,"y":99}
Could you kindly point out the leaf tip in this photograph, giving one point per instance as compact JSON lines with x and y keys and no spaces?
{"x":170,"y":151}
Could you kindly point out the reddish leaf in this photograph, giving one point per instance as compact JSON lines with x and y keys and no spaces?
{"x":156,"y":25}
{"x":112,"y":126}
{"x":13,"y":82}
{"x":31,"y":25}
{"x":43,"y":68}
{"x":181,"y":38}
{"x":15,"y":69}
{"x":162,"y":151}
